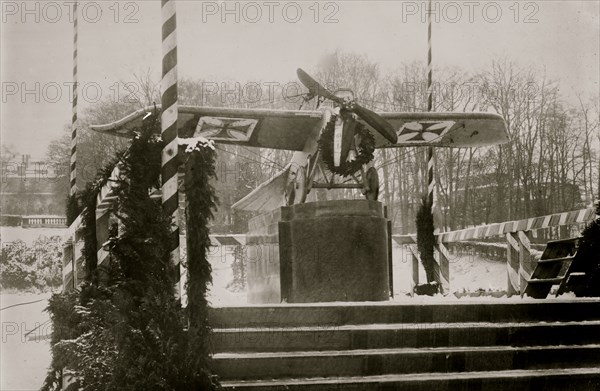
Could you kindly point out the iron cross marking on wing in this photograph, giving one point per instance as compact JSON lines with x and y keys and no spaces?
{"x":223,"y":128}
{"x":424,"y":131}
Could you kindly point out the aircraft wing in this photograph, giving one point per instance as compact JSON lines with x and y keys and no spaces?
{"x":290,"y":129}
{"x":444,"y":129}
{"x":265,"y":128}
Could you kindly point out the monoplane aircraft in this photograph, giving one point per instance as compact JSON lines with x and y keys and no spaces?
{"x":333,"y":147}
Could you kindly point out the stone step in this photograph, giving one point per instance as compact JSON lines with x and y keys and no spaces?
{"x":580,"y":379}
{"x":414,"y":335}
{"x":501,"y":310}
{"x":255,"y":366}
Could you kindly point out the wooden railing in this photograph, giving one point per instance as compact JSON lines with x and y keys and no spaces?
{"x":72,"y":261}
{"x":73,"y":244}
{"x":517,"y":235}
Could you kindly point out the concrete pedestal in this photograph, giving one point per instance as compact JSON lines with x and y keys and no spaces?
{"x":319,"y":252}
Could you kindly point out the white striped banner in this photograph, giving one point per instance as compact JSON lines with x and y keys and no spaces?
{"x":534,"y":223}
{"x":73,"y":162}
{"x":170,"y":160}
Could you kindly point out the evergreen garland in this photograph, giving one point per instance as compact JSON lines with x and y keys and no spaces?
{"x":426,"y":238}
{"x":150,"y":335}
{"x":201,"y":201}
{"x":80,"y":319}
{"x":130,"y":333}
{"x":88,"y":199}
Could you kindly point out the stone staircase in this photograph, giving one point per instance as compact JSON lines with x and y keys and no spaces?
{"x":519,"y":344}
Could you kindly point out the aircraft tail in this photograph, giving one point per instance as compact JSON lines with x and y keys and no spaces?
{"x":268,"y":195}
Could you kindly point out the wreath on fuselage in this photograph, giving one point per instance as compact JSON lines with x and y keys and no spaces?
{"x":365,"y":149}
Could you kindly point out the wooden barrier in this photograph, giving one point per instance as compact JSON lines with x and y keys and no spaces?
{"x":519,"y":260}
{"x":73,"y":242}
{"x":72,"y":261}
{"x":517,"y":234}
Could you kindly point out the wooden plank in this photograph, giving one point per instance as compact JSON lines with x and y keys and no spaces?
{"x":554,"y":280}
{"x":547,"y":273}
{"x":404,"y":239}
{"x":526,"y":264}
{"x":444,"y":265}
{"x":512,"y":265}
{"x":553,"y":260}
{"x":415,"y":268}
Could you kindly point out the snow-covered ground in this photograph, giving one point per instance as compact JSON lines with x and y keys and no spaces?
{"x":28,"y":235}
{"x":221,"y":259}
{"x":25,"y":352}
{"x":25,"y":347}
{"x":466,"y":273}
{"x":469,"y":273}
{"x":24,"y":359}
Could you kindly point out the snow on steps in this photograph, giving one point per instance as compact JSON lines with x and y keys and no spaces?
{"x":417,"y":335}
{"x":538,"y":380}
{"x":531,"y":344}
{"x":375,"y":362}
{"x":418,"y":310}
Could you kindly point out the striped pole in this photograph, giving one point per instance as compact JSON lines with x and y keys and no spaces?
{"x":443,"y":267}
{"x":168,"y":122}
{"x":73,"y":165}
{"x":431,"y":179}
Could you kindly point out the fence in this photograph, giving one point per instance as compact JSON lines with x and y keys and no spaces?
{"x":517,"y":235}
{"x":73,"y":270}
{"x":44,"y":221}
{"x":518,"y":245}
{"x":33,"y":221}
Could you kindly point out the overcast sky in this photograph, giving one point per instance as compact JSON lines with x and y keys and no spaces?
{"x":267,"y":42}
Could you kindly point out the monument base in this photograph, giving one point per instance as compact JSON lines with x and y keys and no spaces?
{"x":319,"y":252}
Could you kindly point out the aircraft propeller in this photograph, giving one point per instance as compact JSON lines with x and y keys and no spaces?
{"x":370,"y":117}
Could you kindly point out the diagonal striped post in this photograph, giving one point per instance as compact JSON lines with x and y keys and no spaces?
{"x":512,"y":264}
{"x":430,"y":163}
{"x":168,"y":122}
{"x":73,"y":162}
{"x":526,"y":263}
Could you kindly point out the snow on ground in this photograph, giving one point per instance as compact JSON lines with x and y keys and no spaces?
{"x":25,"y":347}
{"x":25,"y":358}
{"x":221,"y":259}
{"x":25,"y":353}
{"x":28,"y":235}
{"x":474,"y":272}
{"x":467,"y":273}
